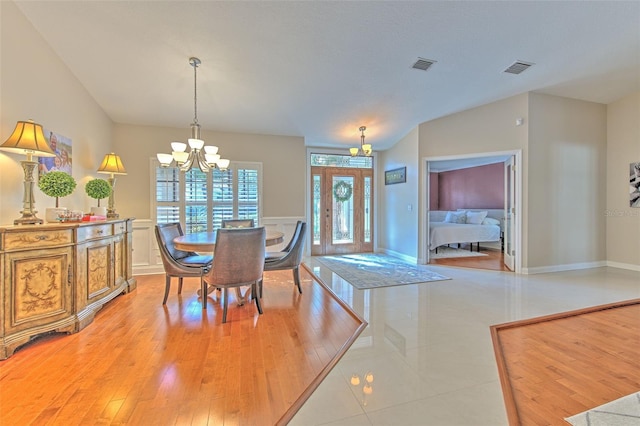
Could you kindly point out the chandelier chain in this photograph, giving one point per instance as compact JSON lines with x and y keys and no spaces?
{"x":194,"y":63}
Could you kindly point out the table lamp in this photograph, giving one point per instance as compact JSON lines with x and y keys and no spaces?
{"x":112,"y":165}
{"x":28,"y":138}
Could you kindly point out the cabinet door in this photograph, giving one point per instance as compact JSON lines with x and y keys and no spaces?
{"x":38,"y":287}
{"x":119,"y":259}
{"x":95,"y":273}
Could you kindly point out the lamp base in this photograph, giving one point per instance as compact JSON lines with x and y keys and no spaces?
{"x":28,"y":219}
{"x":112,"y":215}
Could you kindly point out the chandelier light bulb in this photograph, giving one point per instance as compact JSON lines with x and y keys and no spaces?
{"x":196,"y":143}
{"x":211,"y":149}
{"x":212,"y":159}
{"x":164,"y":159}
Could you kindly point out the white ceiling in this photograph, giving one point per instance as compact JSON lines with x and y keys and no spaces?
{"x":321,"y":69}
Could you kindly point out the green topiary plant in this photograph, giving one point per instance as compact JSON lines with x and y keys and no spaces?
{"x":57,"y":184}
{"x":98,"y":189}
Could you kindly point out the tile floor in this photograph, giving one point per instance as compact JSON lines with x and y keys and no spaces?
{"x":429,"y":348}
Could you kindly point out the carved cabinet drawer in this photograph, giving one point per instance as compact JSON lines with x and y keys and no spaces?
{"x":92,"y":232}
{"x":119,"y":228}
{"x":36,"y":239}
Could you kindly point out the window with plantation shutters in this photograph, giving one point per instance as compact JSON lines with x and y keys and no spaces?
{"x":201,"y":201}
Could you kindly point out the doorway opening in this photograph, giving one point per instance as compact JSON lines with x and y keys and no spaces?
{"x":474,"y":183}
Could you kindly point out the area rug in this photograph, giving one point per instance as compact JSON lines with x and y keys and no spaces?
{"x":445,"y":252}
{"x":621,"y":412}
{"x":366,"y":271}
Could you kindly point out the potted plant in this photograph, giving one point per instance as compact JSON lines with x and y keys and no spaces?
{"x":98,"y":188}
{"x":56,"y":184}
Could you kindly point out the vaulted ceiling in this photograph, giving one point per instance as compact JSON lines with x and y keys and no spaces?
{"x":321,"y":69}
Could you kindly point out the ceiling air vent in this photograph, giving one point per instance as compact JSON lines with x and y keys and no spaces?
{"x":518,"y":66}
{"x":423,"y":64}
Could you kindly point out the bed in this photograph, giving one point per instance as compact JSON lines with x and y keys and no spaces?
{"x":464,"y":226}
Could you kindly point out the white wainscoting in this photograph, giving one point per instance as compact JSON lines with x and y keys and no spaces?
{"x":146,"y":256}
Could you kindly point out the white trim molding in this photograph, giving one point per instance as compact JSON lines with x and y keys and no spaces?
{"x":627,"y":266}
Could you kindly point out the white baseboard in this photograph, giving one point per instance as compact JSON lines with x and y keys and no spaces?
{"x":561,"y":268}
{"x":627,"y":266}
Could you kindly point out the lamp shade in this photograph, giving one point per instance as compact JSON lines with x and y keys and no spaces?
{"x":112,"y":164}
{"x":28,"y":138}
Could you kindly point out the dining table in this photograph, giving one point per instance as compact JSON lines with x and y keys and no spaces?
{"x":205,"y":242}
{"x":202,"y":242}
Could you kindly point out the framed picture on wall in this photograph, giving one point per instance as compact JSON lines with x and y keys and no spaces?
{"x":61,"y":145}
{"x":634,"y":184}
{"x":395,"y":176}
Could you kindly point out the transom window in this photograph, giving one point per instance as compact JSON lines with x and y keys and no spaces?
{"x":201,"y":201}
{"x":339,"y":160}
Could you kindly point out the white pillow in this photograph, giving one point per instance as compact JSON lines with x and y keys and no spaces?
{"x":456,"y":217}
{"x":476,"y":218}
{"x":491,"y":221}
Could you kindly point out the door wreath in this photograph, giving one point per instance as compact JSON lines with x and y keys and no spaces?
{"x":342,"y":191}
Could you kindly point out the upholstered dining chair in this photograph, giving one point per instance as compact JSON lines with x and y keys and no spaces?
{"x":238,"y":223}
{"x":179,"y":263}
{"x":290,"y":257}
{"x":238,"y":261}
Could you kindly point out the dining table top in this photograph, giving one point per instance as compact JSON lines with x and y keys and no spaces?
{"x":206,"y":241}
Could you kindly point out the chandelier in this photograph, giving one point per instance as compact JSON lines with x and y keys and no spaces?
{"x":206,"y":157}
{"x":364,"y":149}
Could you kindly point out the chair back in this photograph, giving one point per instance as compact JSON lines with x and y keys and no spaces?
{"x":294,"y":237}
{"x":238,"y":223}
{"x":293,"y":256}
{"x":165,"y":234}
{"x":239,"y":257}
{"x":297,"y":245}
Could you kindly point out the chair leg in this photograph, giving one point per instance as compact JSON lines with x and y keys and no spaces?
{"x":203,"y":291}
{"x":167,"y":285}
{"x":260,"y":287}
{"x":254,"y":289}
{"x":179,"y":285}
{"x":226,"y":300}
{"x":296,"y":278}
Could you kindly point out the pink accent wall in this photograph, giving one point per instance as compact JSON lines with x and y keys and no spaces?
{"x":473,"y":188}
{"x":433,"y":191}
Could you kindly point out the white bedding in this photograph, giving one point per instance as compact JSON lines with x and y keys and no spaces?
{"x":442,"y":233}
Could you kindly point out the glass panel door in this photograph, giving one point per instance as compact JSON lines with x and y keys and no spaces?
{"x":342,"y":201}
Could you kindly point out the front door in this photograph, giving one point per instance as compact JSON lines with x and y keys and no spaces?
{"x":342,"y":220}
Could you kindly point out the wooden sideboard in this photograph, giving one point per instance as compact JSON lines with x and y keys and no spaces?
{"x":55,"y":277}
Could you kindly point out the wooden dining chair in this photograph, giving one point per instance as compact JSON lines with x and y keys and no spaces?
{"x":179,"y":263}
{"x":290,"y":257}
{"x":238,"y":261}
{"x":238,"y":223}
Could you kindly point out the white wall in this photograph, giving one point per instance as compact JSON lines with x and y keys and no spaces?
{"x":567,"y":182}
{"x":623,"y":148}
{"x":486,"y":129}
{"x":283,"y":159}
{"x":36,"y":84}
{"x":398,"y":218}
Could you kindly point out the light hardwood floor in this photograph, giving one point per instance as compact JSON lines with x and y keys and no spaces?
{"x":142,"y":363}
{"x":494,"y":261}
{"x":561,"y":365}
